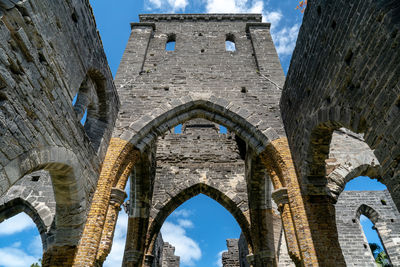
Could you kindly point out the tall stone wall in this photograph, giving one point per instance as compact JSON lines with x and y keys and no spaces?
{"x":50,"y":51}
{"x":344,"y":73}
{"x":379,"y":207}
{"x":199,"y":78}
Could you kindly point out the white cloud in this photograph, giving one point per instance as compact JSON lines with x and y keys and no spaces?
{"x":185,"y":247}
{"x":169,"y":6}
{"x":218,"y":262}
{"x":274,"y":17}
{"x":118,"y":246}
{"x":182,"y":213}
{"x":16,"y":224}
{"x":185,"y":223}
{"x":15,"y":257}
{"x":285,"y":39}
{"x":35,"y":247}
{"x":234,"y":6}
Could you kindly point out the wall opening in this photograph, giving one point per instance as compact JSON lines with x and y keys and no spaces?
{"x":367,"y":216}
{"x":198,"y":229}
{"x":374,"y":242}
{"x":178,"y":129}
{"x":171,"y":41}
{"x":230,"y":44}
{"x":20,"y":242}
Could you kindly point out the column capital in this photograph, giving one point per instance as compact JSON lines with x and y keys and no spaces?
{"x":133,"y":256}
{"x":280,"y":196}
{"x":117,"y":196}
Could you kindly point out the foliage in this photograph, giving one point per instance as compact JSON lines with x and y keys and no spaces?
{"x":37,"y":264}
{"x":302,"y":6}
{"x":380,"y":256}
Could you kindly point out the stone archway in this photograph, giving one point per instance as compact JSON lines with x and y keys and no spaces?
{"x":69,"y":194}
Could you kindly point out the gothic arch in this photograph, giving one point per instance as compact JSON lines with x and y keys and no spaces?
{"x":145,"y":130}
{"x":155,"y":225}
{"x":18,"y":205}
{"x":62,"y":164}
{"x":368,"y":212}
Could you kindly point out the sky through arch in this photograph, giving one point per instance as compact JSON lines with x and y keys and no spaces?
{"x":201,"y":223}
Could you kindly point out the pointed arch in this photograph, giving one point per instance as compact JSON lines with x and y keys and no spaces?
{"x":18,"y":205}
{"x":192,"y":191}
{"x":368,"y":212}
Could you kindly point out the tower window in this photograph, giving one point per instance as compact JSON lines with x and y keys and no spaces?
{"x":170,"y":45}
{"x":230,"y":43}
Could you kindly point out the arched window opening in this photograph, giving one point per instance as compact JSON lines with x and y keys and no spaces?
{"x":20,"y":241}
{"x":374,"y":242}
{"x":230,"y":44}
{"x":199,"y":230}
{"x":223,"y":130}
{"x":171,"y":41}
{"x":178,"y":129}
{"x":90,"y":107}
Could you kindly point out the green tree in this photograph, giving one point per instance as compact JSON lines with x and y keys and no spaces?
{"x":37,"y":264}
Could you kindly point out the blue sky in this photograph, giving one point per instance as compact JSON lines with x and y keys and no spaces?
{"x":198,"y":229}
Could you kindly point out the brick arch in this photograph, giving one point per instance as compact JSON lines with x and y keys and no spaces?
{"x":368,"y":212}
{"x":145,"y":130}
{"x":18,"y":205}
{"x":240,"y":217}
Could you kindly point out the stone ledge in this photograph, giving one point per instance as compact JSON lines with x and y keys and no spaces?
{"x":205,"y":17}
{"x":142,"y":24}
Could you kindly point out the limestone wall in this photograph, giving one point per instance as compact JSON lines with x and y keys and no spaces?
{"x":379,"y":207}
{"x":344,"y":73}
{"x":50,"y":51}
{"x":160,"y":88}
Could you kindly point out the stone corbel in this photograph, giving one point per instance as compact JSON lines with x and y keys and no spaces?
{"x":280,"y":196}
{"x":117,"y":197}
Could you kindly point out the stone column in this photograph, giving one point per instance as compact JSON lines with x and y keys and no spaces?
{"x":280,"y":196}
{"x":261,"y":213}
{"x":117,"y":198}
{"x":119,"y":154}
{"x":139,"y":209}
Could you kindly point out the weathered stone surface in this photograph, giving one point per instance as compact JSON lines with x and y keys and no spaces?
{"x":379,"y":207}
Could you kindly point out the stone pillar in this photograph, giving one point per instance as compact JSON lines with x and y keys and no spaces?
{"x":117,"y":198}
{"x":280,"y":196}
{"x":261,"y":213}
{"x":136,"y":51}
{"x":265,"y":258}
{"x":267,"y":59}
{"x":119,"y":154}
{"x":112,"y":215}
{"x":142,"y":178}
{"x":277,"y":158}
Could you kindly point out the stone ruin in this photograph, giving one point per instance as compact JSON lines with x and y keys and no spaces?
{"x":292,"y":143}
